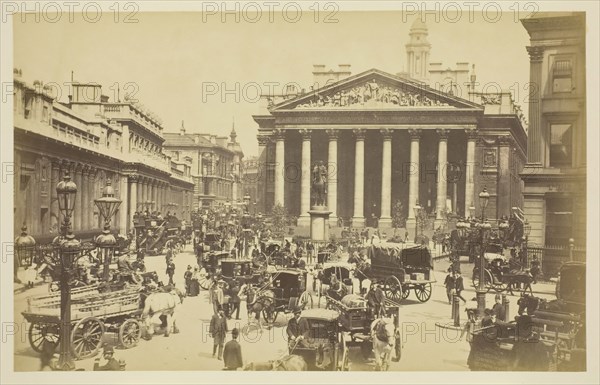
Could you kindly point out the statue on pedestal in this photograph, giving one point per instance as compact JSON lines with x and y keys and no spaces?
{"x":319,"y":184}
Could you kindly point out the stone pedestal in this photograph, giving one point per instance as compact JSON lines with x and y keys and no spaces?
{"x":411,"y":227}
{"x":319,"y":223}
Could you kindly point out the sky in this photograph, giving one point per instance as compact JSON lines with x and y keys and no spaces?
{"x":195,"y":68}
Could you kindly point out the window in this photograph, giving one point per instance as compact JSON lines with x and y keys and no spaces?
{"x":45,"y":114}
{"x":560,"y":145}
{"x":559,"y":220}
{"x":562,"y":76}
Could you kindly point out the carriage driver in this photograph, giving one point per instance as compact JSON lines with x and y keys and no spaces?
{"x":297,"y":330}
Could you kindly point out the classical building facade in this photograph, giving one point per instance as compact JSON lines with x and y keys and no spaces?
{"x":216,"y":165}
{"x":389,"y":138}
{"x":555,"y":174}
{"x":96,"y":141}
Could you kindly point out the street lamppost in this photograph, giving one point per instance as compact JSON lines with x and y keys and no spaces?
{"x":106,"y":242}
{"x":24,"y":250}
{"x":484,"y":228}
{"x":70,"y":249}
{"x":526,"y":232}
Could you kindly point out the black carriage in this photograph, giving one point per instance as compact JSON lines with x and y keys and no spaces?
{"x":502,"y":274}
{"x":285,"y":291}
{"x":401,"y":269}
{"x":212,"y":241}
{"x":273,"y":254}
{"x":239,"y":269}
{"x":325,"y":346}
{"x":212,"y":266}
{"x":153,"y":233}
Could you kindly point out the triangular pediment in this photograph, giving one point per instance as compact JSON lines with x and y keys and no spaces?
{"x":374,"y":89}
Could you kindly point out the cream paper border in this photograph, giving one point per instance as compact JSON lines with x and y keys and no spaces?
{"x":6,"y":228}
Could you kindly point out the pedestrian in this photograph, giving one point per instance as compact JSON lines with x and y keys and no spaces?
{"x":499,"y":310}
{"x":234,"y":299}
{"x":249,"y":292}
{"x":187,"y":276}
{"x":232,"y":354}
{"x":310,"y":248}
{"x":459,"y":285}
{"x":405,"y":236}
{"x":215,"y":296}
{"x":218,"y":330}
{"x":450,"y":284}
{"x":171,"y":271}
{"x":111,"y":363}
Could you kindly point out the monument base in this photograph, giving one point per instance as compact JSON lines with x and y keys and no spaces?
{"x":319,"y":223}
{"x":411,"y":227}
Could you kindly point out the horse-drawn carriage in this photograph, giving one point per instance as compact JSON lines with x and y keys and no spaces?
{"x":273,"y":253}
{"x":325,"y":346}
{"x":212,"y":264}
{"x":284,"y":292}
{"x":546,"y":336}
{"x":153,"y":233}
{"x":358,"y":321}
{"x":343,"y":283}
{"x":502,"y":274}
{"x":401,"y":269}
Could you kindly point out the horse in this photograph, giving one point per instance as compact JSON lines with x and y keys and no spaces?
{"x":385,"y":338}
{"x":288,"y":363}
{"x":529,"y":304}
{"x":162,"y":304}
{"x":265,"y":301}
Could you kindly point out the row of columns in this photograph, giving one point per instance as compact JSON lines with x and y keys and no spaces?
{"x":143,"y":189}
{"x":358,"y":219}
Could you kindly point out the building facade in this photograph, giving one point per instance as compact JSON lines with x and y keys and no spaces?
{"x":390,"y":138}
{"x":96,"y":141}
{"x":216,"y":165}
{"x":555,"y":173}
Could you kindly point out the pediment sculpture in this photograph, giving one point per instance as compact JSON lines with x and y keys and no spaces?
{"x":372,"y":94}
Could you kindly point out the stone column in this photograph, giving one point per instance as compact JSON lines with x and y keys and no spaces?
{"x":140,"y":193}
{"x":124,"y":207}
{"x":262,"y":176}
{"x":332,"y":175}
{"x":154,"y":195}
{"x":470,"y":171}
{"x":78,"y":211}
{"x":358,"y":218}
{"x":144,"y":188}
{"x":413,"y":183}
{"x":442,"y":183}
{"x":91,"y":189}
{"x":385,"y":221}
{"x":304,"y":219}
{"x":87,"y":201}
{"x":133,"y":198}
{"x":54,"y":212}
{"x":279,"y":166}
{"x":534,"y":134}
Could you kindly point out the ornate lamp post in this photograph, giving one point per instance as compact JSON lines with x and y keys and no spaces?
{"x":70,"y":250}
{"x":106,"y":242}
{"x":526,"y":232}
{"x":24,"y":250}
{"x":484,"y":229}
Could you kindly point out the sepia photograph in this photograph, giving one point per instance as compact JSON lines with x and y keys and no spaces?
{"x":395,"y":189}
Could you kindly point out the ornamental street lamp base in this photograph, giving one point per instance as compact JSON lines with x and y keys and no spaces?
{"x":480,"y":295}
{"x":65,"y":365}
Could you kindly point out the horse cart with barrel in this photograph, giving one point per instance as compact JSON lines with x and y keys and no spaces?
{"x":92,"y":315}
{"x":400,"y":269}
{"x":284,"y":291}
{"x":547,"y":335}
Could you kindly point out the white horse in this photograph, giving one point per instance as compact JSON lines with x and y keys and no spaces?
{"x":384,"y":336}
{"x":158,"y":305}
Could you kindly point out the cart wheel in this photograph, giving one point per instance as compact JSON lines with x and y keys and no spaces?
{"x":366,"y":349}
{"x":130,"y":332}
{"x":488,"y":279}
{"x":305,"y":301}
{"x":499,"y":287}
{"x":86,"y":337}
{"x":393,"y":288}
{"x":423,"y":292}
{"x":405,"y":291}
{"x":204,"y":282}
{"x":39,"y":333}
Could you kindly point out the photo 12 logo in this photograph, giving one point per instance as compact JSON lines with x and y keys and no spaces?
{"x":72,"y":11}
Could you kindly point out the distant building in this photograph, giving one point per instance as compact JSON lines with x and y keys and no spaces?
{"x":251,"y":181}
{"x":389,"y":138}
{"x":216,"y":165}
{"x":96,"y":140}
{"x":555,"y":173}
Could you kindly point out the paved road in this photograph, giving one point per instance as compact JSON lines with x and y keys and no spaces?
{"x":425,"y":346}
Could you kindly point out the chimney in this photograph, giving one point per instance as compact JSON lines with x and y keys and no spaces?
{"x":182,"y":129}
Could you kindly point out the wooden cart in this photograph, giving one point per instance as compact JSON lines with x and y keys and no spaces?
{"x":92,"y":314}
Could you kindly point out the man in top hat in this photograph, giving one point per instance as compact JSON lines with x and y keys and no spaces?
{"x":499,"y":310}
{"x":297,"y":330}
{"x":218,"y":330}
{"x":111,"y":362}
{"x":232,"y":354}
